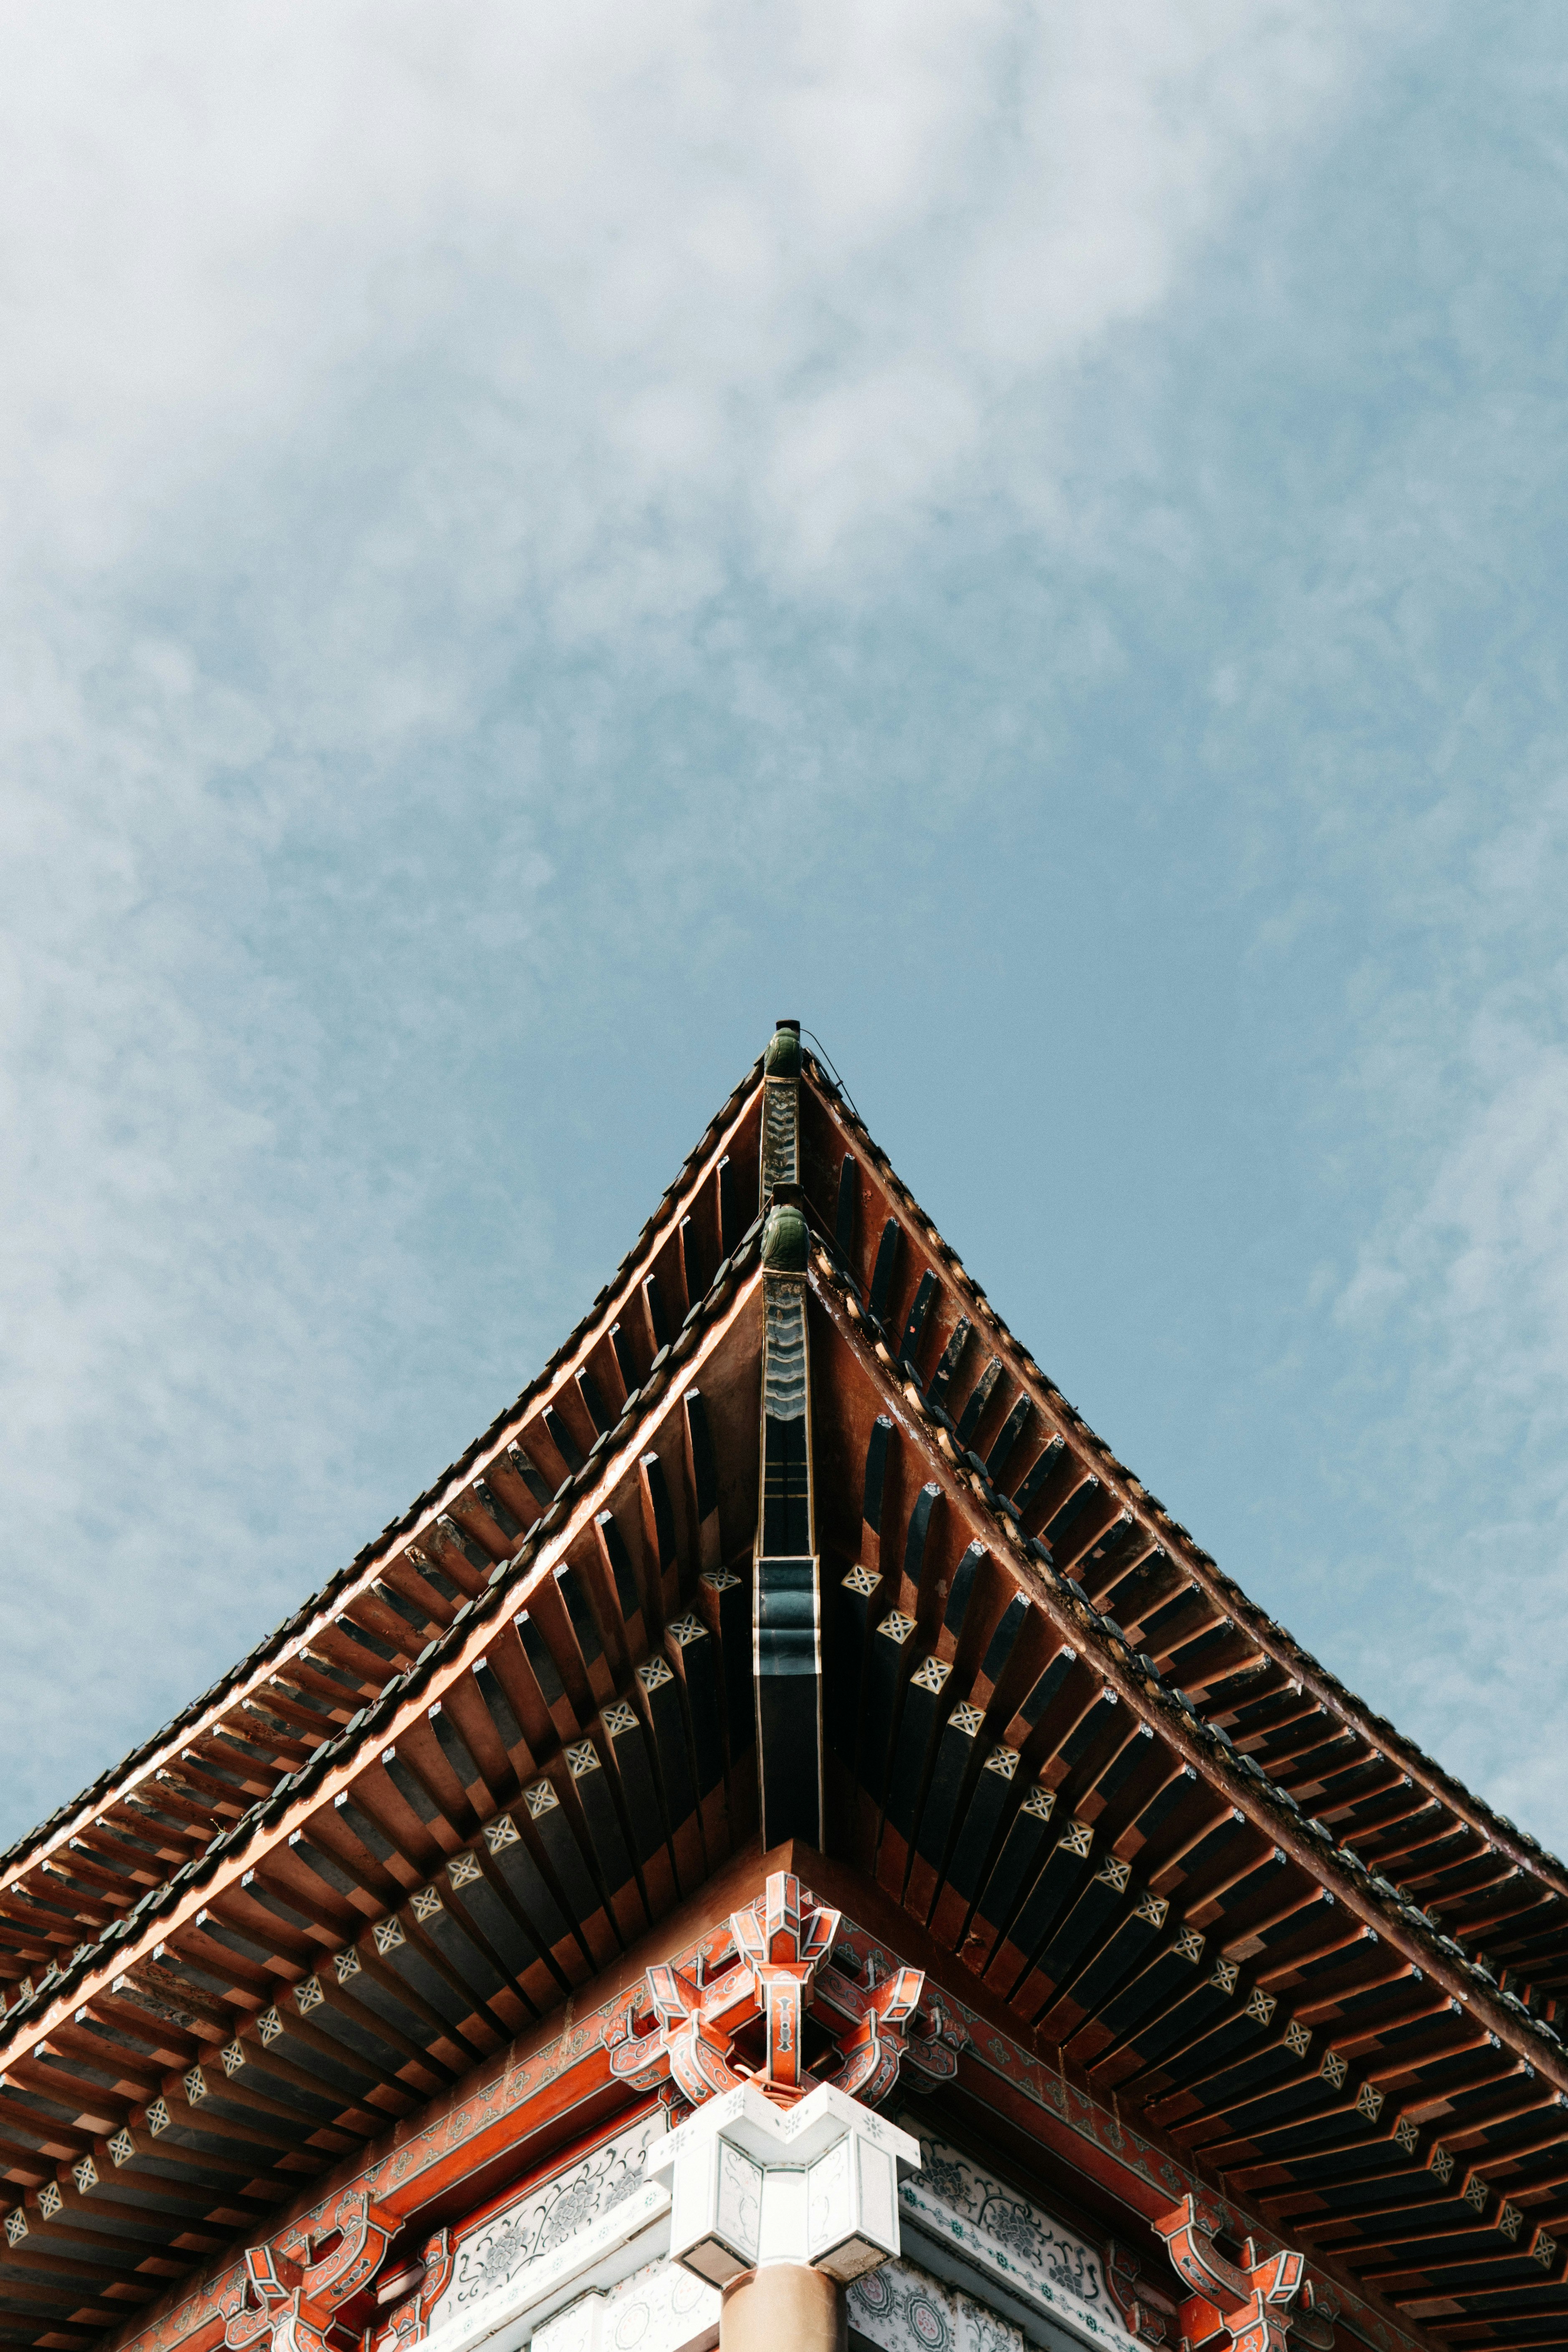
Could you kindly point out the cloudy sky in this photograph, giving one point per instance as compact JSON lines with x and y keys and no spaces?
{"x":537,"y":538}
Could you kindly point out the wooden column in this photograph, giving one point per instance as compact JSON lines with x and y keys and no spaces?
{"x":784,"y":2304}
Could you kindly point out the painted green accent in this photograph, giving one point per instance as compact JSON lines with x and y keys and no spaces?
{"x":786,"y":1241}
{"x":781,"y":1059}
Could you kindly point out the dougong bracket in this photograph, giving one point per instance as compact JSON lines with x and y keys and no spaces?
{"x":869,"y":2027}
{"x":1252,"y":2306}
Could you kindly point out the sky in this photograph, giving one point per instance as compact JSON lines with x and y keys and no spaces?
{"x":536,"y":541}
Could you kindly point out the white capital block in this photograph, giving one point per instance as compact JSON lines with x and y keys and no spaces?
{"x":755,"y":2183}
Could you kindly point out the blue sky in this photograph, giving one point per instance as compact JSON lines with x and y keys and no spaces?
{"x":1035,"y":539}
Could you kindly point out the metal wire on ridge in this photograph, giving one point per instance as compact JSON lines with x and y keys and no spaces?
{"x":822,"y":1056}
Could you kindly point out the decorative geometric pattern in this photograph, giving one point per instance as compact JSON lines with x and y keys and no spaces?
{"x":15,"y":2226}
{"x":905,"y":2310}
{"x":931,"y":1674}
{"x":464,"y":1869}
{"x":194,"y":2084}
{"x":499,"y":2250}
{"x":966,"y":1718}
{"x":740,"y":2200}
{"x":158,"y":2116}
{"x":582,"y":1758}
{"x":540,"y":1798}
{"x":862,"y":1582}
{"x":618,"y":1718}
{"x":388,"y":1935}
{"x":51,"y":2199}
{"x":1368,"y":2102}
{"x":654,"y":1674}
{"x":1004,"y":1762}
{"x":233,"y":2057}
{"x":1334,"y":2069}
{"x":84,"y":2172}
{"x":781,"y":1113}
{"x":685,"y":1631}
{"x":347,"y":1964}
{"x":660,"y":2309}
{"x":427,"y":1903}
{"x":121,"y":2147}
{"x":956,"y":2202}
{"x":308,"y":1996}
{"x":270,"y":2025}
{"x":502,"y":1832}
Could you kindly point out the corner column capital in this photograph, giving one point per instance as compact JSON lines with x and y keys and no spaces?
{"x":815,"y":2183}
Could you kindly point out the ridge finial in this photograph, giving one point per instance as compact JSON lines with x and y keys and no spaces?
{"x":781,"y":1059}
{"x":786,"y":1239}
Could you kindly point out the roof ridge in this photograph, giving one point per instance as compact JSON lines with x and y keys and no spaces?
{"x":1356,"y":1881}
{"x":498,"y":1592}
{"x":1538,"y":1859}
{"x":101,"y":1791}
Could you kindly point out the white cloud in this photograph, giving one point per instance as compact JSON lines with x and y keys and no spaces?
{"x":685,"y":258}
{"x":349,"y":350}
{"x":1456,"y":1307}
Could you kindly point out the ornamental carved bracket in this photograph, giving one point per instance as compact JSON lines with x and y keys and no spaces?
{"x":1143,"y":2311}
{"x":412,"y":2295}
{"x":875,"y":2025}
{"x":1255,"y":2305}
{"x":293,"y":2290}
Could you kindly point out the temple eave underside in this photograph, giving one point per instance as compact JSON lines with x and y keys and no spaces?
{"x":793,"y":1572}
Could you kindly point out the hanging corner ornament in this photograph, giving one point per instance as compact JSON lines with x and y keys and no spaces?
{"x":1246,"y":2307}
{"x":778,"y":1978}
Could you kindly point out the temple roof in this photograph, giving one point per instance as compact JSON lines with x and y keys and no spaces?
{"x":1110,"y":1797}
{"x":644,"y":1257}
